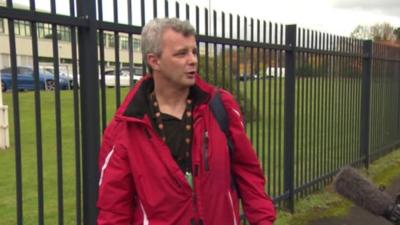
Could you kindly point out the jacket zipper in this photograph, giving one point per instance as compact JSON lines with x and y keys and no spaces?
{"x":233,"y":208}
{"x":205,"y":151}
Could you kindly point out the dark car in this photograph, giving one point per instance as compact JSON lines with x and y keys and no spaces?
{"x":25,"y":79}
{"x":246,"y":77}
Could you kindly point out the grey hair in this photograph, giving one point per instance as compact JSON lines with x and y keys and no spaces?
{"x":152,"y":33}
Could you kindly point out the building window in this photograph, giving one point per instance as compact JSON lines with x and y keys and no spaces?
{"x":22,"y":28}
{"x":44,"y":30}
{"x":110,"y":40}
{"x":136,"y":45}
{"x":64,"y":33}
{"x":123,"y":42}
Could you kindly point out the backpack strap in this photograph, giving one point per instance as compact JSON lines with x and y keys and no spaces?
{"x":220,"y":114}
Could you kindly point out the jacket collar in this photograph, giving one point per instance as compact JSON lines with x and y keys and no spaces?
{"x":136,"y":104}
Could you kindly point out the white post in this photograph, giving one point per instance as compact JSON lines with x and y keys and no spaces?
{"x":4,"y":134}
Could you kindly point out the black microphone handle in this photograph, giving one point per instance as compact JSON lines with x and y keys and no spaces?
{"x":392,"y":213}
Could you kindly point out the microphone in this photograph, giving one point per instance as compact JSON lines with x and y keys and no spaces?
{"x":361,"y":191}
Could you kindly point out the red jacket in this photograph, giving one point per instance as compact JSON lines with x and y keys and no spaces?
{"x":141,"y":184}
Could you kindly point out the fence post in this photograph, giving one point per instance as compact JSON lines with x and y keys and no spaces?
{"x":290,"y":62}
{"x":365,"y":101}
{"x":89,"y":92}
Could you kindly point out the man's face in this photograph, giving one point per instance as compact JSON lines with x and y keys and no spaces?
{"x":178,"y":61}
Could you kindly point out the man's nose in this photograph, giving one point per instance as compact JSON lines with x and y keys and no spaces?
{"x":192,"y":58}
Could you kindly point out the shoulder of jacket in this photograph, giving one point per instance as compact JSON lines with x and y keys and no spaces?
{"x":227,"y":99}
{"x":232,"y":107}
{"x":112,"y":129}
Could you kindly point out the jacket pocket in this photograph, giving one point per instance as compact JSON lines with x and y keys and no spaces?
{"x":230,"y":199}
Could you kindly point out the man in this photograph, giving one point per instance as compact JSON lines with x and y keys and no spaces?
{"x":164,"y":160}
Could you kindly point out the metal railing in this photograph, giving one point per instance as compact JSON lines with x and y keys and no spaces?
{"x":313,"y":102}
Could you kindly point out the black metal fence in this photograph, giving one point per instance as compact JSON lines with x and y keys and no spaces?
{"x":313,"y":102}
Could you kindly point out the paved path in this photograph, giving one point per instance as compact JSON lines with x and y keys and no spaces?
{"x":358,"y":216}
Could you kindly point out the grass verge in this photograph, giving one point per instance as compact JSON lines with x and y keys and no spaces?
{"x":326,"y":203}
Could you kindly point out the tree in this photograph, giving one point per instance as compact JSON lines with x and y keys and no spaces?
{"x":362,"y":32}
{"x":382,"y":32}
{"x":397,"y":33}
{"x":377,"y":32}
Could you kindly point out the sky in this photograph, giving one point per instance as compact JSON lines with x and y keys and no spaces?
{"x":331,"y":16}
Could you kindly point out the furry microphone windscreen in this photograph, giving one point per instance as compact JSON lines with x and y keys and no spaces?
{"x":353,"y":186}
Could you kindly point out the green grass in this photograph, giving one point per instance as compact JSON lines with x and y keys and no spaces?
{"x":29,"y":158}
{"x":327,"y":115}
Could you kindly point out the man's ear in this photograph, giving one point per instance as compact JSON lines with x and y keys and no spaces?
{"x":153,"y":61}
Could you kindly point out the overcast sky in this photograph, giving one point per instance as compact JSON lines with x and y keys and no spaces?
{"x":331,"y":16}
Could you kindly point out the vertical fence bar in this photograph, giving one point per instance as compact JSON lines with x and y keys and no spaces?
{"x":17,"y":126}
{"x":307,"y":119}
{"x":102,"y":69}
{"x":38,"y":119}
{"x":154,"y":9}
{"x":301,"y":109}
{"x":258,"y":92}
{"x":317,"y":93}
{"x":352,"y":103}
{"x":359,"y":84}
{"x":251,"y":80}
{"x":275,"y":116}
{"x":341,"y":101}
{"x":78,"y":184}
{"x":143,"y":21}
{"x":215,"y":50}
{"x":130,"y":39}
{"x":374,"y":135}
{"x":345,"y":100}
{"x":325,"y":105}
{"x":89,"y":108}
{"x":334,"y":102}
{"x":166,"y":8}
{"x":303,"y":124}
{"x":177,"y":9}
{"x":278,"y":73}
{"x":330,"y":104}
{"x":117,"y":60}
{"x":230,"y":54}
{"x":223,"y":51}
{"x":238,"y":59}
{"x":270,"y":111}
{"x":244,"y":104}
{"x":365,"y":101}
{"x":206,"y":44}
{"x":290,"y":62}
{"x":198,"y":32}
{"x":187,"y":9}
{"x":264,"y":115}
{"x":56,"y":65}
{"x":313,"y":110}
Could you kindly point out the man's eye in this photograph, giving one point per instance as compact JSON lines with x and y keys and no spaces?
{"x":182,"y":53}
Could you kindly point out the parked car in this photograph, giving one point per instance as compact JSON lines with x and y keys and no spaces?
{"x":278,"y":72}
{"x":64,"y":74}
{"x":25,"y":79}
{"x":110,"y":77}
{"x":247,"y":77}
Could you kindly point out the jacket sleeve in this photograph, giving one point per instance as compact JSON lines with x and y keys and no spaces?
{"x":258,"y":207}
{"x":116,"y":187}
